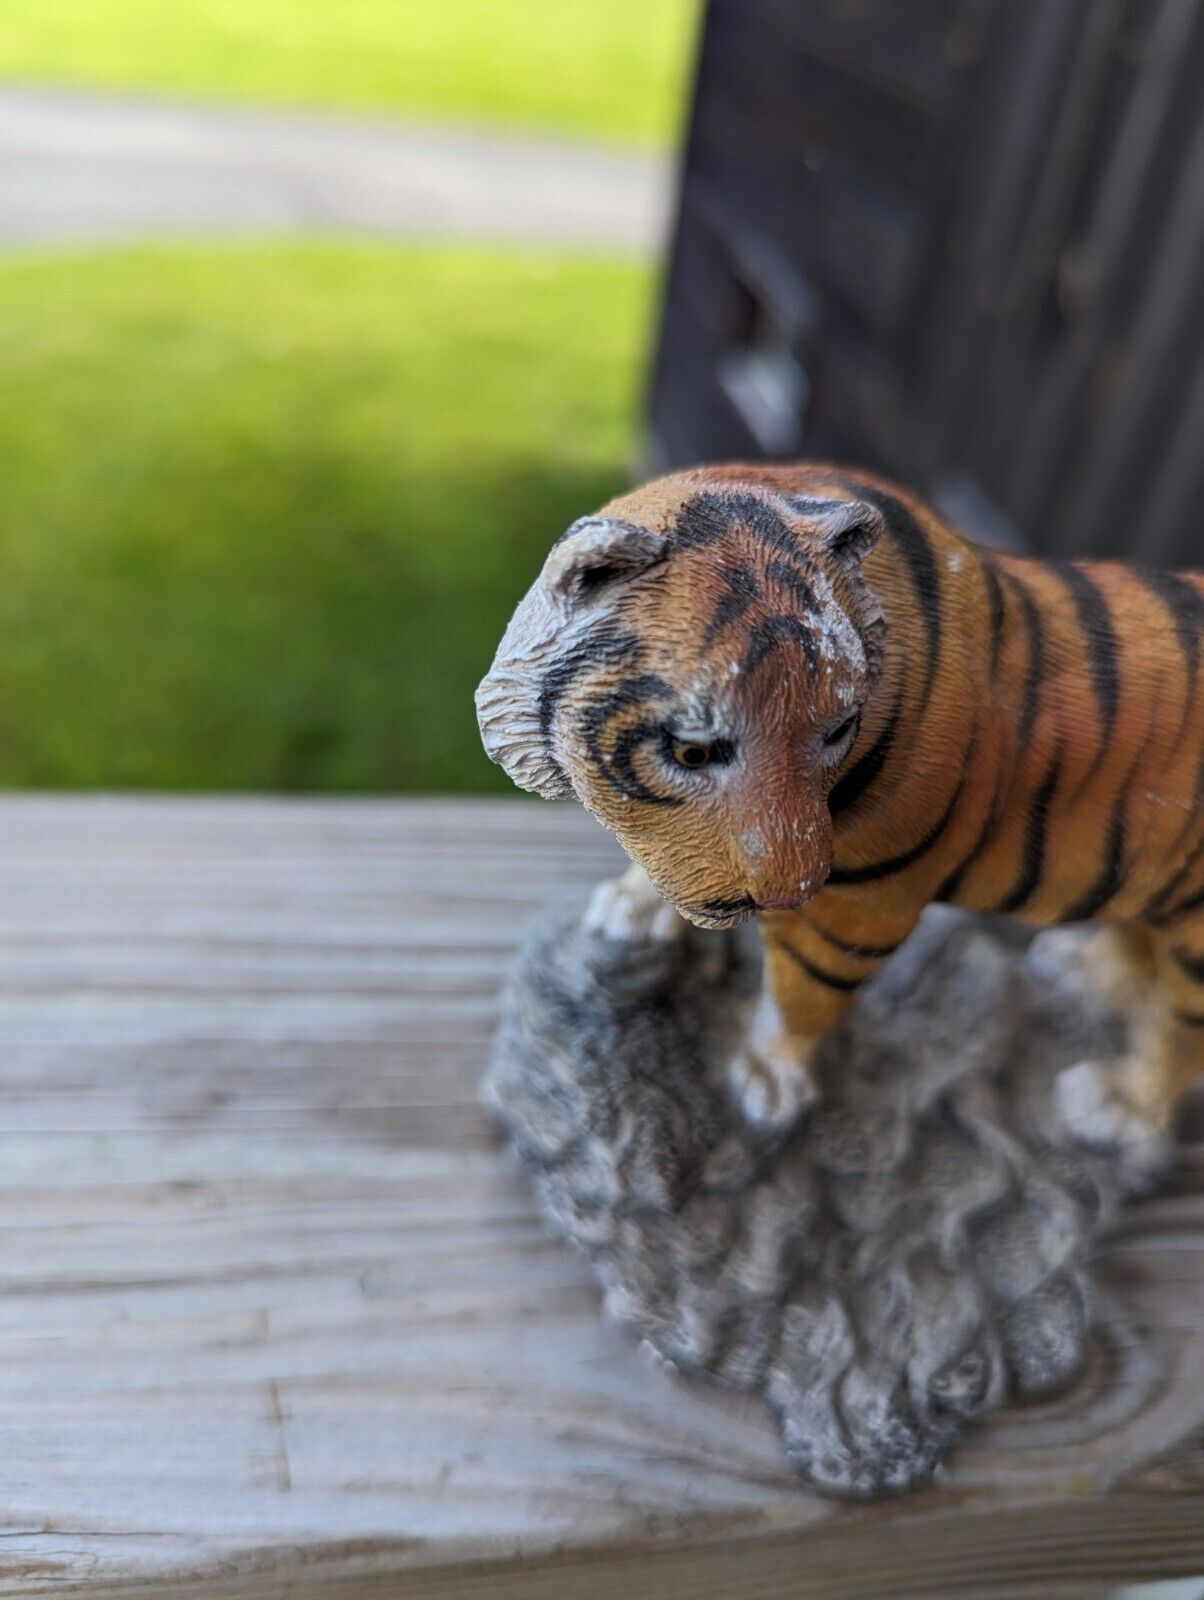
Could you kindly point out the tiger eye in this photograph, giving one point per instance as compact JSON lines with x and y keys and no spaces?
{"x":688,"y":754}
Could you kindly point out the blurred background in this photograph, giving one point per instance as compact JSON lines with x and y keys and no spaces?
{"x":319,"y":322}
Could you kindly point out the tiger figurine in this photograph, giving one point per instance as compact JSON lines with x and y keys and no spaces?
{"x":796,"y":693}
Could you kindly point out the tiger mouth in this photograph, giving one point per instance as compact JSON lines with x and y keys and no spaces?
{"x":719,"y":915}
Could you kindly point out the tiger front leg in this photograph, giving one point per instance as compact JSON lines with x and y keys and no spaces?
{"x":810,"y":979}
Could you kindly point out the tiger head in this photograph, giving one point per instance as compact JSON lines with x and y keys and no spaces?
{"x":691,"y":663}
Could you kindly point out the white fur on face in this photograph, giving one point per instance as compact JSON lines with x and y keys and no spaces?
{"x":507,"y":698}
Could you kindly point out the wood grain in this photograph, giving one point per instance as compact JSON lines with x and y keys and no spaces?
{"x":277,"y":1317}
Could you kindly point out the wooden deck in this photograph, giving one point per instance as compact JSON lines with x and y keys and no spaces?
{"x":278,"y":1318}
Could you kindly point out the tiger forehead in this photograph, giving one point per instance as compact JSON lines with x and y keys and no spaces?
{"x":737,"y":580}
{"x":740,"y":598}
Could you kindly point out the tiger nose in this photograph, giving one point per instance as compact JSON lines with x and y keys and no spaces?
{"x":770,"y":866}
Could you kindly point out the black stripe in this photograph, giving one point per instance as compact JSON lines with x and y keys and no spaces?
{"x":724,"y":908}
{"x":742,"y":590}
{"x":996,"y":608}
{"x":1035,"y":835}
{"x":1189,"y":963}
{"x":603,"y":647}
{"x":1111,"y":875}
{"x":899,"y":863}
{"x":912,"y":544}
{"x":764,"y":639}
{"x":1186,"y":606}
{"x":1035,"y":672}
{"x":621,"y":771}
{"x":1100,"y":637}
{"x":1157,"y":910}
{"x":1190,"y":1019}
{"x":788,"y":575}
{"x":830,"y":979}
{"x":594,"y":719}
{"x":861,"y":952}
{"x":702,"y":521}
{"x":709,"y":517}
{"x":1192,"y":903}
{"x":953,"y":882}
{"x":631,"y":692}
{"x":845,"y":791}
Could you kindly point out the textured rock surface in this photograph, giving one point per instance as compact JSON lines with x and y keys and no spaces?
{"x":896,"y":1265}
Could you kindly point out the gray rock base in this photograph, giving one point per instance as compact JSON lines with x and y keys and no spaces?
{"x":913,"y":1252}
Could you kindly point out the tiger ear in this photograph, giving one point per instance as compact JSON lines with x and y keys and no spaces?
{"x":595,"y":553}
{"x":844,"y":529}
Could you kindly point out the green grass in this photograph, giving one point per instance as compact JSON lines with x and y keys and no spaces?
{"x":268,"y":507}
{"x":614,"y":68}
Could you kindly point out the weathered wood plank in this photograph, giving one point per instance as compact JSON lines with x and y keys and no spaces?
{"x":277,"y":1317}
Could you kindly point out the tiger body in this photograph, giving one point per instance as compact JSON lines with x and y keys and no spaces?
{"x":890,"y":716}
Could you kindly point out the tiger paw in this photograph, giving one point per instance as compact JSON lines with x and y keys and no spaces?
{"x":772,"y":1084}
{"x":630,"y":909}
{"x":1106,"y":1106}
